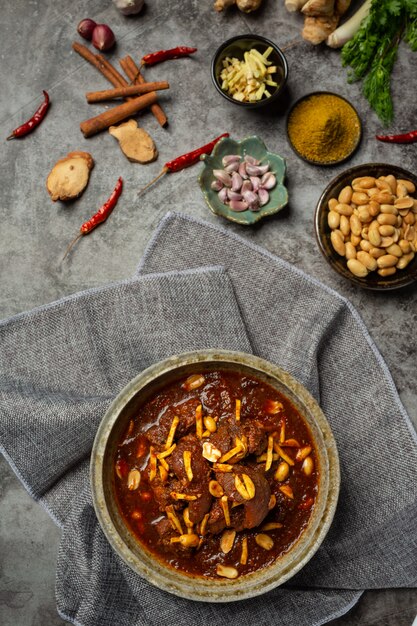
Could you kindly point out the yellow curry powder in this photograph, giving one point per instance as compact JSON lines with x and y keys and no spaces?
{"x":324,"y":128}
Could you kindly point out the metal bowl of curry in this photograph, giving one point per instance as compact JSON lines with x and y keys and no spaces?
{"x":215,"y":475}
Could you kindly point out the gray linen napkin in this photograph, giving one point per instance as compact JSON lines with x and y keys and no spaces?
{"x":61,"y":365}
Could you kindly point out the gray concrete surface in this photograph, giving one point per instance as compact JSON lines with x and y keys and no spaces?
{"x":36,"y":54}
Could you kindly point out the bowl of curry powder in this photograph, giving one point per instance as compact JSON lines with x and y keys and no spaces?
{"x":323,"y":128}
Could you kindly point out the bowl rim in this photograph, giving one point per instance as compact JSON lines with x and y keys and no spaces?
{"x":323,"y":163}
{"x":268,"y":42}
{"x":405,"y":280}
{"x":263,"y":580}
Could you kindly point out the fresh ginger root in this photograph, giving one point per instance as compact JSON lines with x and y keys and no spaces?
{"x":69,"y":176}
{"x":318,"y":8}
{"x":247,"y":6}
{"x":321,"y":17}
{"x":134,"y":142}
{"x":317,"y":29}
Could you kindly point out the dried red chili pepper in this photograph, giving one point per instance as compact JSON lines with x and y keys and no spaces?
{"x":185,"y":160}
{"x":34,"y":121}
{"x":100,"y":216}
{"x":410,"y":137}
{"x":166,"y":55}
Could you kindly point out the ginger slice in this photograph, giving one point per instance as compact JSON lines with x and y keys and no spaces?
{"x":135,"y":143}
{"x":69,"y":176}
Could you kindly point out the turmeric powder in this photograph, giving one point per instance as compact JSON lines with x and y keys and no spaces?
{"x":324,"y":128}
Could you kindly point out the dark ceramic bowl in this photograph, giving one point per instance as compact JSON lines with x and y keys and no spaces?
{"x":373,"y":280}
{"x":236,"y":47}
{"x":316,"y":161}
{"x":127,"y":405}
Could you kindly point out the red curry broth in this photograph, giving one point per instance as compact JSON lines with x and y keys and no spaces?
{"x":146,"y":485}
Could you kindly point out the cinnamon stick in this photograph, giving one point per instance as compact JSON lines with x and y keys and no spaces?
{"x":117,"y":76}
{"x":132,"y":71}
{"x":117,"y":114}
{"x":122,"y":92}
{"x":86,"y":54}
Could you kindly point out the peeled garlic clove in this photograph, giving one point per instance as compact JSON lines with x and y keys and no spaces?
{"x":216,"y":185}
{"x":256,"y":182}
{"x":223,"y":195}
{"x":242,"y":170}
{"x":233,"y":195}
{"x":251,"y":160}
{"x":268,"y":181}
{"x":257,"y":170}
{"x":236,"y":181}
{"x":230,"y":158}
{"x":263,"y":196}
{"x":246,"y":186}
{"x":238,"y":205}
{"x":252,"y":199}
{"x":232,"y":167}
{"x":223,"y":176}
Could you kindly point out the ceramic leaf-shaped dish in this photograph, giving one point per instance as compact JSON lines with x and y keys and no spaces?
{"x":255,"y":147}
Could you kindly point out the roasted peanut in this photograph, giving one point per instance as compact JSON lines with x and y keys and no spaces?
{"x":388,"y":208}
{"x":357,"y":268}
{"x":376,"y":252}
{"x":350,"y":250}
{"x":193,"y":382}
{"x":345,"y":225}
{"x":395,"y":250}
{"x":365,"y":245}
{"x":355,"y":225}
{"x":226,"y":571}
{"x":383,"y":185}
{"x":404,"y":203}
{"x":405,"y":246}
{"x":392,"y":181}
{"x":387,"y":271}
{"x":405,"y":260}
{"x":386,"y":219}
{"x":343,"y":209}
{"x":388,"y":260}
{"x":333,"y":219}
{"x":332,"y":203}
{"x":338,"y":243}
{"x":410,"y":186}
{"x":345,"y":196}
{"x":133,"y":479}
{"x":227,"y":540}
{"x":308,"y":466}
{"x":359,"y":198}
{"x":282,"y":471}
{"x":386,"y":231}
{"x":364,"y":182}
{"x":367,"y":260}
{"x":264,"y":541}
{"x":364,"y":215}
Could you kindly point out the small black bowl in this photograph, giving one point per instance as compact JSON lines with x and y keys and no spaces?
{"x":236,"y":47}
{"x":373,"y":280}
{"x":354,"y":146}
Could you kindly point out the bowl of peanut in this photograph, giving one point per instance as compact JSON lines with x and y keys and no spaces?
{"x":366,"y":225}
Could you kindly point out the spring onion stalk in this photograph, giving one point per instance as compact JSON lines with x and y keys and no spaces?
{"x":346,"y":31}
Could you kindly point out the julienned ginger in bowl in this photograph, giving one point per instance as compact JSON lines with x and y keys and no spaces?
{"x":248,"y":79}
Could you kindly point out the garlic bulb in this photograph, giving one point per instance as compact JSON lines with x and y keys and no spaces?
{"x":129,"y":7}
